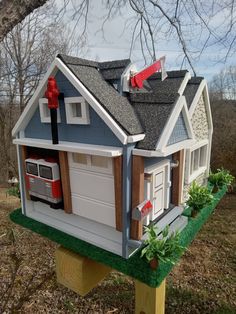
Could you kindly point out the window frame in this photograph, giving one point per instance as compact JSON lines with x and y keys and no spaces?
{"x":89,"y":167}
{"x":47,"y":119}
{"x":84,"y":119}
{"x":190,"y":173}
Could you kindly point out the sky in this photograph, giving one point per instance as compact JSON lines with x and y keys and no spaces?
{"x":115,"y":43}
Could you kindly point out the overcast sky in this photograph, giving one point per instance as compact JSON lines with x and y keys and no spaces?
{"x":116,"y":44}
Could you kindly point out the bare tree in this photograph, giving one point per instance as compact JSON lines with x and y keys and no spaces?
{"x":197,"y":25}
{"x":223,"y":85}
{"x":26,"y":52}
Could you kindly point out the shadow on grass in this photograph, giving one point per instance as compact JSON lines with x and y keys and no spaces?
{"x":180,"y":300}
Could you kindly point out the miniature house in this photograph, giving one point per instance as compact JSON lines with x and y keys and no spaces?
{"x":125,"y":156}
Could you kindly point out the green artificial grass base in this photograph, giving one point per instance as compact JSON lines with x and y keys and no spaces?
{"x":135,"y":266}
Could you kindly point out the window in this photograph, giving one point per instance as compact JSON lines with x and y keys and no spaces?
{"x":45,"y":172}
{"x":32,"y":168}
{"x":45,"y":111}
{"x":77,"y":110}
{"x":92,"y":162}
{"x":196,"y":161}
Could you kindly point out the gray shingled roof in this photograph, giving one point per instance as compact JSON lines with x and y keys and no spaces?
{"x":191,"y":89}
{"x":112,"y":70}
{"x":146,"y":110}
{"x":118,"y":106}
{"x":154,"y":107}
{"x":153,"y":112}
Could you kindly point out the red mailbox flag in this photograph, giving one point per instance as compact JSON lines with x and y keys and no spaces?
{"x":138,"y":78}
{"x":52,"y":93}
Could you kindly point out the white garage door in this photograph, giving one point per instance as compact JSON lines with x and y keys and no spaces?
{"x":92,"y":187}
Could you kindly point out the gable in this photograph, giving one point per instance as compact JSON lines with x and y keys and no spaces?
{"x":104,"y":114}
{"x":96,"y":132}
{"x":180,"y":132}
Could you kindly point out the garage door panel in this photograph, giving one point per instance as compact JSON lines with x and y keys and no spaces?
{"x":96,"y":186}
{"x":96,"y":211}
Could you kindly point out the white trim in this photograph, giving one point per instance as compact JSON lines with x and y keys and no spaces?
{"x":165,"y":152}
{"x":199,"y":144}
{"x":147,"y":153}
{"x":30,"y":108}
{"x":178,"y":146}
{"x":191,"y":177}
{"x":47,"y":119}
{"x":99,"y":150}
{"x":184,"y":83}
{"x":70,"y":119}
{"x":168,"y":129}
{"x":135,"y":138}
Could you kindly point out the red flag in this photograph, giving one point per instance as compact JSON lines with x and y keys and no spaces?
{"x":138,"y":78}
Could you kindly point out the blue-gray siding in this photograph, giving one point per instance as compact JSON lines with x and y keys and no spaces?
{"x":179,"y":132}
{"x":97,"y":132}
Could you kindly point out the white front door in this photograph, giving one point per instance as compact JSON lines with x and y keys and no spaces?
{"x":159,"y":188}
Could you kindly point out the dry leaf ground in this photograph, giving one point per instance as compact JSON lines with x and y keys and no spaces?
{"x":202,"y":283}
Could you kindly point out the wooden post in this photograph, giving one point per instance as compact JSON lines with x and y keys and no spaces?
{"x":177,"y":181}
{"x":149,"y":300}
{"x":65,"y":181}
{"x":118,"y":191}
{"x":137,"y":194}
{"x":78,"y":273}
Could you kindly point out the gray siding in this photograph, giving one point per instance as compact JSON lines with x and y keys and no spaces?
{"x":97,"y":132}
{"x":179,"y":132}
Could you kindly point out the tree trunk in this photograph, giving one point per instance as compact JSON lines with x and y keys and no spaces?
{"x":13,"y":12}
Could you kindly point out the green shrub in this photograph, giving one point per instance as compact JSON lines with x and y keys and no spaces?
{"x":221,"y":177}
{"x":199,"y":197}
{"x":14,"y":191}
{"x":162,"y":249}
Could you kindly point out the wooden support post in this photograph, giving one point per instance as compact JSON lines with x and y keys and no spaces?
{"x":149,"y":300}
{"x":137,"y":194}
{"x":118,"y":191}
{"x":177,"y":181}
{"x":65,"y":181}
{"x":24,"y":156}
{"x":78,"y":273}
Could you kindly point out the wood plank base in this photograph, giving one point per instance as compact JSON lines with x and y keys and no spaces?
{"x":149,"y":300}
{"x":78,"y":273}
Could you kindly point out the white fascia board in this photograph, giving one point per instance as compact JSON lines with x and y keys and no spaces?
{"x":107,"y":151}
{"x":162,"y":143}
{"x":135,"y":138}
{"x":184,"y":83}
{"x":33,"y":102}
{"x":178,"y":146}
{"x":147,"y":153}
{"x":92,"y":102}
